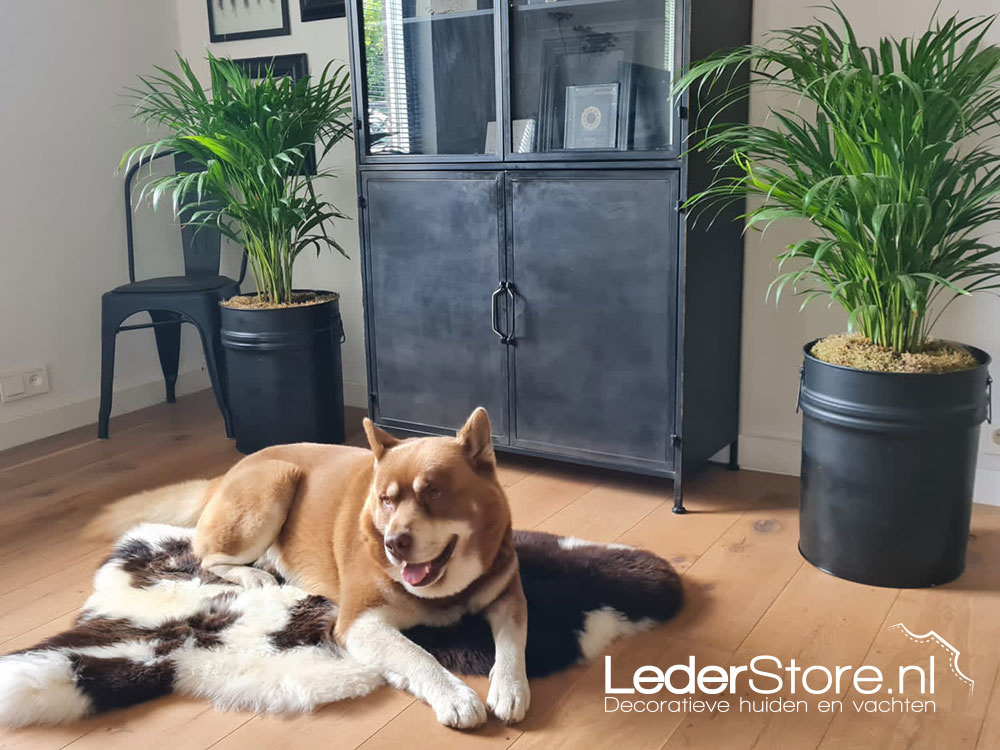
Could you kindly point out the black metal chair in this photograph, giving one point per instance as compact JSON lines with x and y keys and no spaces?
{"x":170,"y":301}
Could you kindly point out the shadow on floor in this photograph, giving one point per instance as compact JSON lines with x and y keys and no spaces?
{"x":981,"y":571}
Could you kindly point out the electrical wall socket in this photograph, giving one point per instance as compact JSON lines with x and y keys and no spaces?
{"x":990,"y":440}
{"x":18,"y":384}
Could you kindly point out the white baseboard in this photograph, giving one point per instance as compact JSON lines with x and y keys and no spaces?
{"x":771,"y":454}
{"x":63,"y":417}
{"x":69,"y":416}
{"x":783,"y":456}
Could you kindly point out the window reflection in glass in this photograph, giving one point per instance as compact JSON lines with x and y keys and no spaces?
{"x":429,"y":76}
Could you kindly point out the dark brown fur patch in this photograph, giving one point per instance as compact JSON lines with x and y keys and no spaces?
{"x":86,"y":633}
{"x":117,"y":683}
{"x":309,"y":624}
{"x":171,"y":560}
{"x":204,"y":629}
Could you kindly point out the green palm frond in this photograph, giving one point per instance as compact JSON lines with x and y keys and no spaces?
{"x":251,"y":139}
{"x":887,"y":151}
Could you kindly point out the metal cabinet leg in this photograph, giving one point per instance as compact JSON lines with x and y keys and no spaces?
{"x":678,"y":494}
{"x":734,"y":456}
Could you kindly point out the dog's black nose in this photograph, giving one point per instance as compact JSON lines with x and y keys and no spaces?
{"x":399,"y":544}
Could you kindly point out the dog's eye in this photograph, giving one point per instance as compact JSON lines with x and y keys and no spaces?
{"x":386,"y":500}
{"x":433,"y":493}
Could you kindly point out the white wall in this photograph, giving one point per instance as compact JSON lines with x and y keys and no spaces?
{"x":64,"y":127}
{"x":322,"y":41}
{"x":773,"y":337}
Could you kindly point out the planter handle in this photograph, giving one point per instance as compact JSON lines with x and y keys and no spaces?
{"x":798,"y":398}
{"x":989,"y":399}
{"x":338,"y":327}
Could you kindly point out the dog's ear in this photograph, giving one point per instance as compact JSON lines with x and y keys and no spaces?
{"x":379,"y":440}
{"x":476,"y":439}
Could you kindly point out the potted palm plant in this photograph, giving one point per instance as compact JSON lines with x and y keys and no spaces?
{"x":887,"y":153}
{"x":252,"y":147}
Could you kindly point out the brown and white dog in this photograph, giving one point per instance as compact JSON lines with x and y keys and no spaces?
{"x":413,"y":532}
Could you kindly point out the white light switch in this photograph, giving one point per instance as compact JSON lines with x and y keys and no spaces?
{"x":10,"y":386}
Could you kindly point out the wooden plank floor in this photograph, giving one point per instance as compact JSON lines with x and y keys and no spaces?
{"x":749,"y":593}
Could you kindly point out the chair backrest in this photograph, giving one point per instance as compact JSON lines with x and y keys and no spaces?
{"x":202,"y":246}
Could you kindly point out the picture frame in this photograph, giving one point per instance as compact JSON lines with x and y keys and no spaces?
{"x":234,"y":20}
{"x":591,"y":119}
{"x":318,"y":10}
{"x":295,"y":66}
{"x":597,"y":58}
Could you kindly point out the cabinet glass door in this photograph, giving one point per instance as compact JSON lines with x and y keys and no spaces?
{"x":592,"y":76}
{"x":429,"y":83}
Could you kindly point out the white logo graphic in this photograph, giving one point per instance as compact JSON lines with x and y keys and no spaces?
{"x":953,"y":653}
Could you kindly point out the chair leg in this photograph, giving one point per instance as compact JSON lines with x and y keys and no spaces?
{"x":109,"y":331}
{"x":168,"y":346}
{"x":214,"y":361}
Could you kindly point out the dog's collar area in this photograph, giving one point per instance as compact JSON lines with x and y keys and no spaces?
{"x":426,"y":573}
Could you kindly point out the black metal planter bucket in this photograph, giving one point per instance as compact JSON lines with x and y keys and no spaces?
{"x":283,"y":372}
{"x":888,"y":466}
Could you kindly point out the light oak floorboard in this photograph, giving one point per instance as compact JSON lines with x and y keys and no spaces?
{"x":748,"y":592}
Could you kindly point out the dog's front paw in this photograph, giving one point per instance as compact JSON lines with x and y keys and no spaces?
{"x":459,"y":706}
{"x":509,"y":697}
{"x":255,"y":578}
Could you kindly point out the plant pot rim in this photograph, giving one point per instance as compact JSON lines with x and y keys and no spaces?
{"x":981,"y":356}
{"x":334,"y":297}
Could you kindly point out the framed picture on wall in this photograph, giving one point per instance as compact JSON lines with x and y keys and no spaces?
{"x":293,"y":66}
{"x":232,"y":20}
{"x":317,"y":10}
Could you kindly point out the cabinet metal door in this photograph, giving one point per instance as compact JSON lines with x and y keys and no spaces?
{"x":593,"y":261}
{"x":434,"y":243}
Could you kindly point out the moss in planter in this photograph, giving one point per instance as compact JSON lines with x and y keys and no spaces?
{"x":256,"y":302}
{"x":853,"y":350}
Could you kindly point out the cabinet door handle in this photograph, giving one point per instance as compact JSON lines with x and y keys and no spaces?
{"x":493,"y":311}
{"x":509,"y":288}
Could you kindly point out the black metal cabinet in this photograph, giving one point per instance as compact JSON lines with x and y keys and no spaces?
{"x":520,"y":172}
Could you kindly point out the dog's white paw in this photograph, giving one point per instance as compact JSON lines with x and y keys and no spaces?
{"x":258,"y":579}
{"x":458,"y":706}
{"x":250,"y":578}
{"x":509,"y":697}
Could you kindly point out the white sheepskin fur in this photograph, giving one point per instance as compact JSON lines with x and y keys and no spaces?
{"x":38,"y":688}
{"x":604,"y":625}
{"x":245,"y":672}
{"x":244,"y":663}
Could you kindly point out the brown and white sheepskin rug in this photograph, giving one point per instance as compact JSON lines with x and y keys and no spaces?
{"x":157,"y":623}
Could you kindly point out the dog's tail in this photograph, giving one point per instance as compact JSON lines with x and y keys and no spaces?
{"x":177,"y":504}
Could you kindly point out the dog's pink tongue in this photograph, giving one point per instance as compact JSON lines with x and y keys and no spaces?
{"x":415,"y":574}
